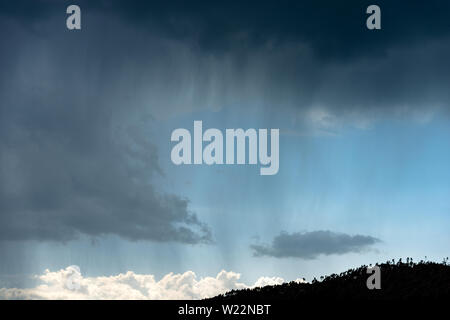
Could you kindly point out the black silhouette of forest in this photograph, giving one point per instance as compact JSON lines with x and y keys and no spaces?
{"x":399,"y":281}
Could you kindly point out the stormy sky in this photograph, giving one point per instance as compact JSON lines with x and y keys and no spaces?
{"x":86,"y":117}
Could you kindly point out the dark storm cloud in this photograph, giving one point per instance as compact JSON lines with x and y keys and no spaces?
{"x":309,"y":245}
{"x":76,"y":155}
{"x":334,"y":29}
{"x":331,"y":28}
{"x":64,"y":174}
{"x":299,"y":56}
{"x":317,"y":54}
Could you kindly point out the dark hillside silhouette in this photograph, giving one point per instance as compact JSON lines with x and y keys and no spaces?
{"x":401,"y":280}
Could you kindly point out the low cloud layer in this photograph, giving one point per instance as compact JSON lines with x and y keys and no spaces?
{"x":309,"y":245}
{"x":58,"y":285}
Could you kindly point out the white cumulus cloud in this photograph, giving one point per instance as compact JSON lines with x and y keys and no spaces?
{"x":68,"y":284}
